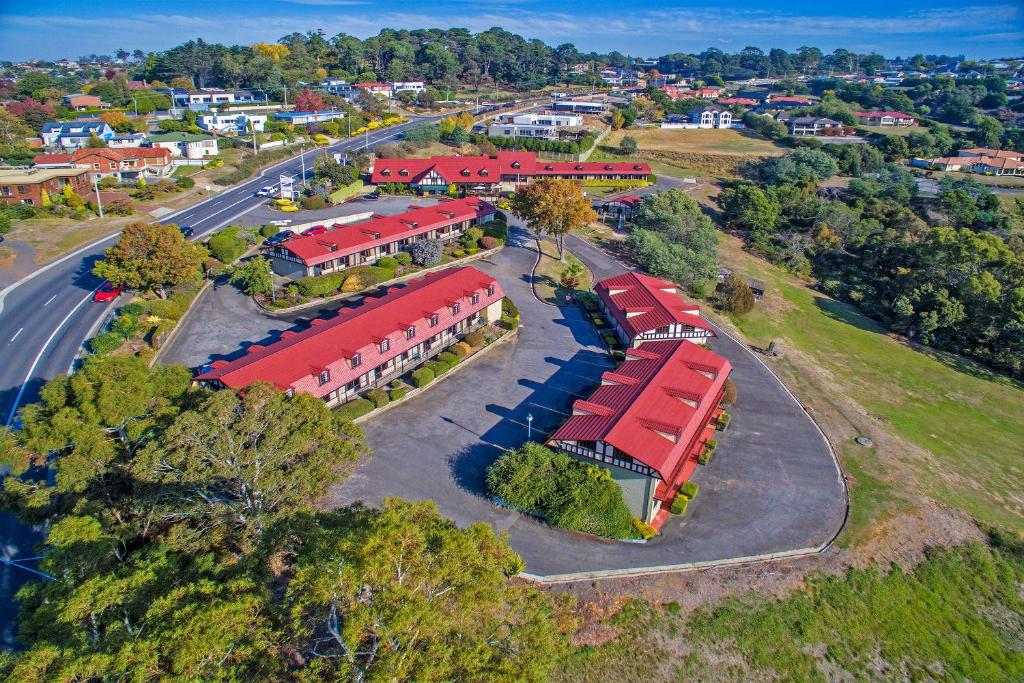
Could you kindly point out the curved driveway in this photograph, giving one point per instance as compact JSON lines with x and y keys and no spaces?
{"x":772,"y":487}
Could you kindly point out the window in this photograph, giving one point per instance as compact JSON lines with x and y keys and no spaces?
{"x":475,"y":299}
{"x":385,"y":345}
{"x":357,"y":360}
{"x":490,"y":290}
{"x":455,"y":308}
{"x":324,"y":377}
{"x":290,"y":392}
{"x":433,"y":320}
{"x":662,"y":330}
{"x":411,"y":332}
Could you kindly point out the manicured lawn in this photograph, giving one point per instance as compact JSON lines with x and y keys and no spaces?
{"x":899,"y":131}
{"x":963,"y":422}
{"x":549,"y":271}
{"x":700,"y":141}
{"x":956,"y":617}
{"x":995,"y":181}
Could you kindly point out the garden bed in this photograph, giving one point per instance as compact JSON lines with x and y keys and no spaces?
{"x":548,"y":282}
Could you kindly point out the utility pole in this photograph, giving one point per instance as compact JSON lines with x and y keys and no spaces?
{"x":302,"y":160}
{"x":99,"y":201}
{"x":285,"y":95}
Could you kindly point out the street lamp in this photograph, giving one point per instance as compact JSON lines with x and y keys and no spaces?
{"x":529,"y":426}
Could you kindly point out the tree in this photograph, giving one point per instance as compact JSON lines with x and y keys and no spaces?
{"x":254,"y":276}
{"x":746,"y":207}
{"x":309,"y":101}
{"x":553,"y":206}
{"x":735,"y":296}
{"x":96,"y":142}
{"x":427,"y":252}
{"x":404,"y":594}
{"x":33,"y":112}
{"x":572,"y":274}
{"x":275,"y":52}
{"x":151,"y":256}
{"x":618,"y":120}
{"x":628,"y":145}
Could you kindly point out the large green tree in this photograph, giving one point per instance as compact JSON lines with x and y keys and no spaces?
{"x":151,"y":256}
{"x":555,"y":207}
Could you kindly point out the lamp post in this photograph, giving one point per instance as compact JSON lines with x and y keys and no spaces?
{"x":99,"y":201}
{"x":529,"y":426}
{"x":302,"y":160}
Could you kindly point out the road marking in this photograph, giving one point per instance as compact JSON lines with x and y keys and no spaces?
{"x":16,"y":334}
{"x":21,"y":390}
{"x":50,"y":299}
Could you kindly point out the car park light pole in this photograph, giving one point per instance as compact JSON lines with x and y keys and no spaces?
{"x":529,"y":426}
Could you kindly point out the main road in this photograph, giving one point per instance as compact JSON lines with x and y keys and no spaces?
{"x":45,"y":317}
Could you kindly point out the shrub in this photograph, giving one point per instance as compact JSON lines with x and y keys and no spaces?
{"x":427,"y":252}
{"x":712,"y":444}
{"x":448,"y":358}
{"x":458,"y":253}
{"x":437,"y":367}
{"x":735,"y":296}
{"x":673,"y":607}
{"x":134,"y":308}
{"x":568,"y":493}
{"x":320,"y":285}
{"x":588,"y":301}
{"x":488,"y":242}
{"x":119,"y":207}
{"x":388,"y":262}
{"x":497,"y":230}
{"x":168,"y":309}
{"x":472,"y":250}
{"x":723,"y":421}
{"x":125,"y":326}
{"x":705,"y":457}
{"x":185,"y":183}
{"x":610,"y":339}
{"x":679,"y":505}
{"x":379,"y":397}
{"x":269,"y":230}
{"x":421,"y":377}
{"x":404,"y":258}
{"x":226,"y":247}
{"x":313,"y":202}
{"x":361,"y":277}
{"x":643,"y":529}
{"x":689,"y":489}
{"x":461,"y":349}
{"x":730,"y":393}
{"x":399,"y":392}
{"x":357,"y":407}
{"x":474,"y":339}
{"x":508,"y":307}
{"x":108,"y":342}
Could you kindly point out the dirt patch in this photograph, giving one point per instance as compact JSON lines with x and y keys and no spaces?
{"x":7,"y":257}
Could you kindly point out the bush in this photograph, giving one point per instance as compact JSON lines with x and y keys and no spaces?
{"x":404,"y":258}
{"x":134,"y":308}
{"x":472,"y":250}
{"x":705,"y":457}
{"x":723,"y":421}
{"x":379,"y":397}
{"x":185,"y":183}
{"x":168,"y":309}
{"x":448,"y":358}
{"x":361,"y":277}
{"x":357,"y":407}
{"x":679,"y":505}
{"x":461,"y":349}
{"x":611,"y":340}
{"x":730,"y":393}
{"x":712,"y":444}
{"x":421,"y":377}
{"x":125,"y":326}
{"x":735,"y":296}
{"x":427,"y":252}
{"x":643,"y":529}
{"x":269,"y":230}
{"x":313,"y":202}
{"x":474,"y":339}
{"x":458,"y":253}
{"x":438,"y":368}
{"x":508,"y":308}
{"x":226,"y":247}
{"x":588,"y":301}
{"x":497,"y":230}
{"x":108,"y":342}
{"x":388,"y":262}
{"x":689,"y":489}
{"x":320,"y":285}
{"x":488,"y":242}
{"x":399,"y":392}
{"x":566,"y":492}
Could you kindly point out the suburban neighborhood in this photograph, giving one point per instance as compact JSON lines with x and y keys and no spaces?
{"x":463,"y":355}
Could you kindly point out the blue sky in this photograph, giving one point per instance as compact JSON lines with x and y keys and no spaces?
{"x":58,"y":28}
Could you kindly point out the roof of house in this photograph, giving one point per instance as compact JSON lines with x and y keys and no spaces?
{"x":180,"y":137}
{"x":353,"y":237}
{"x":628,"y":200}
{"x":791,"y":98}
{"x":640,"y":303}
{"x":300,"y":354}
{"x":994,"y":162}
{"x":119,"y":154}
{"x":69,"y":128}
{"x":804,"y":120}
{"x":653,"y":404}
{"x":36,"y":175}
{"x":880,"y":114}
{"x":743,"y":101}
{"x":989,"y":152}
{"x":485,"y":169}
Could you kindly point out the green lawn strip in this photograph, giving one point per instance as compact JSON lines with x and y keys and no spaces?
{"x":549,"y":271}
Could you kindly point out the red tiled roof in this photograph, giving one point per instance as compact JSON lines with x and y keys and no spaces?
{"x":485,"y":169}
{"x":651,"y":415}
{"x":107,"y":153}
{"x":989,"y":152}
{"x":791,"y":98}
{"x":48,"y":159}
{"x":738,"y":100}
{"x":353,"y":237}
{"x":641,"y":303}
{"x":296,"y":360}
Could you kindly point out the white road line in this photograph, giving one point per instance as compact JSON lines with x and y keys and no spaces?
{"x":21,"y":390}
{"x":50,"y":299}
{"x":17,"y":333}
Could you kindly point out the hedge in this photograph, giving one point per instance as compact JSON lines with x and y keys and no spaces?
{"x":404,"y":258}
{"x":313,"y":202}
{"x":389,"y":262}
{"x":357,"y":407}
{"x":421,"y":377}
{"x":108,"y":342}
{"x":437,"y":367}
{"x":624,"y":184}
{"x":679,"y":505}
{"x":689,"y":489}
{"x":226,"y":247}
{"x":168,"y":309}
{"x":496,"y":230}
{"x":269,"y":230}
{"x":379,"y":397}
{"x":730,"y":393}
{"x":461,"y":349}
{"x":248,"y":166}
{"x":448,"y":358}
{"x":346,"y":191}
{"x":705,"y":457}
{"x":359,"y":278}
{"x":399,"y":392}
{"x":319,"y":285}
{"x":508,"y":307}
{"x":474,"y":339}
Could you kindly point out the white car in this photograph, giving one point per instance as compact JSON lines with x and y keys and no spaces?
{"x":265,"y":191}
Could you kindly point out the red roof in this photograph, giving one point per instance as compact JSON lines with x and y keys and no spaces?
{"x":105,"y":152}
{"x":791,"y":98}
{"x":485,"y":169}
{"x":51,"y":159}
{"x":299,"y":357}
{"x":641,"y":303}
{"x":653,"y":405}
{"x":743,"y":101}
{"x":354,"y":237}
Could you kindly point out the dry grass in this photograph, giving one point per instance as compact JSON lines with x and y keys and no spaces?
{"x":698,"y":141}
{"x":549,"y":271}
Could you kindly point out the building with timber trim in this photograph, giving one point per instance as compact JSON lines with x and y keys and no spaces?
{"x":366,"y":347}
{"x":649,"y":420}
{"x":353,"y":244}
{"x":643,"y":308}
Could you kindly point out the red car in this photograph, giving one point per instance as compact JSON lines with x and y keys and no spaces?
{"x":107,"y":292}
{"x":315,"y":230}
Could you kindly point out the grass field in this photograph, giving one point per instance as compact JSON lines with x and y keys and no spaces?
{"x":956,"y":617}
{"x":549,"y":272}
{"x":898,"y":131}
{"x":962,"y":422}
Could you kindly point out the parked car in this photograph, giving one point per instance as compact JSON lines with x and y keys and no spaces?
{"x":265,"y":191}
{"x":278,"y":238}
{"x":372,"y":196}
{"x":187,"y":232}
{"x":315,"y":230}
{"x":107,"y":292}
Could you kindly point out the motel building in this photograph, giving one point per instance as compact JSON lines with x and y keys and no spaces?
{"x":363,"y":348}
{"x":352,"y":244}
{"x":648,"y":422}
{"x":642,"y":308}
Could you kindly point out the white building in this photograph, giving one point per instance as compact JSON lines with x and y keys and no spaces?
{"x":408,"y":86}
{"x":302,"y":118}
{"x":126,"y":140}
{"x":544,"y":125}
{"x":578,"y":106}
{"x":711,"y":117}
{"x":339,"y":87}
{"x":208,"y":97}
{"x":187,"y":145}
{"x":232,"y":122}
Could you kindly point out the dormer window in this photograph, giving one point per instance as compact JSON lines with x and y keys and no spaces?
{"x":475,"y":299}
{"x":455,"y":308}
{"x":290,"y":392}
{"x":490,"y":290}
{"x":515,"y":164}
{"x":404,"y":171}
{"x":357,"y":360}
{"x":483,"y":171}
{"x":410,"y":332}
{"x":324,"y":377}
{"x":385,"y":344}
{"x":386,"y":171}
{"x":433,"y":320}
{"x":465,"y":172}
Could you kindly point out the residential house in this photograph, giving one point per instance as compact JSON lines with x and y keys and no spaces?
{"x":75,"y":134}
{"x":233,"y":123}
{"x":711,"y":117}
{"x":408,"y":86}
{"x":352,"y":244}
{"x":619,"y":206}
{"x":545,"y":125}
{"x":80,"y":102}
{"x":187,"y":145}
{"x":382,"y":89}
{"x":885,"y":118}
{"x":123,"y":140}
{"x":644,"y":308}
{"x":679,"y":93}
{"x":303,"y":118}
{"x":339,"y":87}
{"x":122,"y":164}
{"x":21,"y":186}
{"x":808,"y":126}
{"x":579,"y":106}
{"x":204,"y":99}
{"x":366,"y":347}
{"x":737,"y":101}
{"x":648,"y":421}
{"x":991,"y":153}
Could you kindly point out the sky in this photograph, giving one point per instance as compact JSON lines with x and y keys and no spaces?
{"x":52,"y":29}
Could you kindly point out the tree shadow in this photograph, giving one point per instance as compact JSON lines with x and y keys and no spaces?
{"x":846,"y":313}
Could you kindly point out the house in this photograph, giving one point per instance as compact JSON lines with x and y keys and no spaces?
{"x":807,"y":126}
{"x":187,"y":145}
{"x":177,"y":96}
{"x":365,"y":347}
{"x":234,"y":123}
{"x":648,"y":421}
{"x":122,"y":140}
{"x":408,"y":86}
{"x":506,"y":171}
{"x":620,"y":206}
{"x":711,"y":117}
{"x":352,"y":244}
{"x":545,"y":125}
{"x":383,"y":89}
{"x":204,"y":99}
{"x":75,"y":134}
{"x":758,"y":287}
{"x":80,"y":102}
{"x":885,"y":118}
{"x":942,"y":163}
{"x":991,"y":153}
{"x":21,"y":186}
{"x":795,"y":100}
{"x":338,"y":86}
{"x":996,"y":166}
{"x":643,"y":308}
{"x":578,"y":106}
{"x":303,"y":118}
{"x":122,"y":164}
{"x":678,"y":93}
{"x":737,"y":102}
